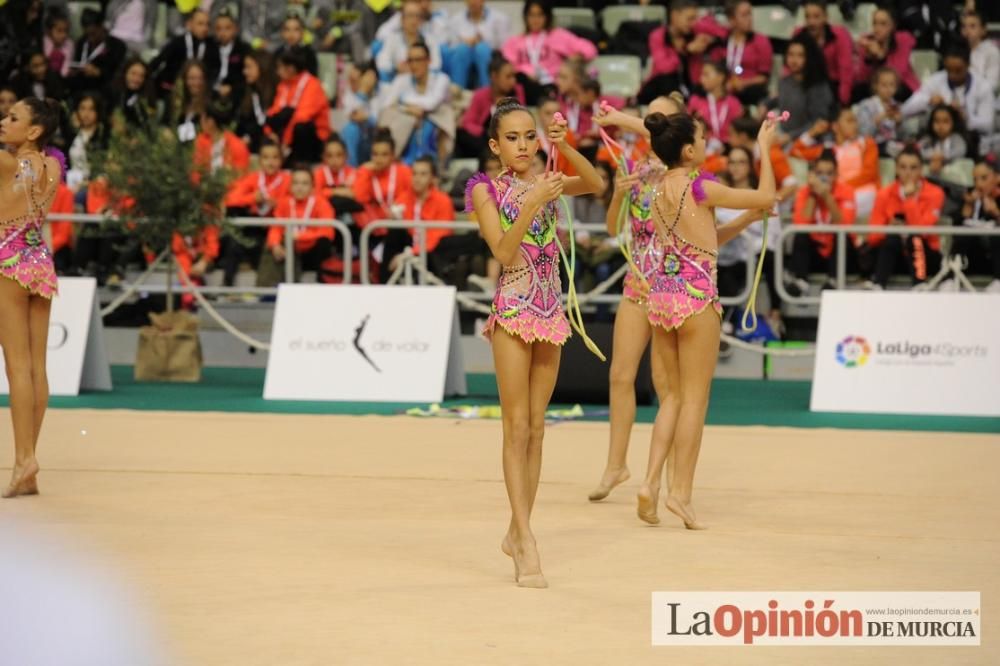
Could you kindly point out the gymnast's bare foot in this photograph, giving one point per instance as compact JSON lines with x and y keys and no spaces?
{"x":22,"y":475}
{"x":527,"y":566}
{"x":508,"y":550}
{"x":684,"y":511}
{"x":647,"y":504}
{"x":611,"y":478}
{"x":30,"y":486}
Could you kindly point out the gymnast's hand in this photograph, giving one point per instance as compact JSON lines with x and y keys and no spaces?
{"x":624,"y":181}
{"x":767,"y":133}
{"x":548,"y":187}
{"x":557,"y":131}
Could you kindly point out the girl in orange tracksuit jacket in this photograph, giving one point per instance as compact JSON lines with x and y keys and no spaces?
{"x":313,"y":244}
{"x":62,"y":231}
{"x":300,"y":114}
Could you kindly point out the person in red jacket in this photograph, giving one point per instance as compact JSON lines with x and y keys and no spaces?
{"x":427,"y":202}
{"x":62,"y":231}
{"x":300,"y":114}
{"x":823,"y":200}
{"x":334,"y":178}
{"x":254,"y":195}
{"x":913,"y":201}
{"x":217,"y":147}
{"x":837,"y":45}
{"x":312,"y":244}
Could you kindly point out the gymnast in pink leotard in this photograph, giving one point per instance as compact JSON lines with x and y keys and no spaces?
{"x":683,"y":301}
{"x":28,"y":182}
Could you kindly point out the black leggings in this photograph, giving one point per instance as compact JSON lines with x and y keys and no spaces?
{"x":983,"y":253}
{"x":921,"y":261}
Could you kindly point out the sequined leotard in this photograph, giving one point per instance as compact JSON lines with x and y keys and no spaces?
{"x":24,"y":256}
{"x":646,"y":250}
{"x":528,"y":300}
{"x":685,"y":281}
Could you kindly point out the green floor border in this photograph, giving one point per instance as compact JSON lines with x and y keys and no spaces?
{"x":737,"y":402}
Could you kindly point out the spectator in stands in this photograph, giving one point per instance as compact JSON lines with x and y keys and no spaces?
{"x":194,"y":44}
{"x":300,"y":114}
{"x":8,"y":98}
{"x":259,"y":74}
{"x":913,"y":201}
{"x":97,"y":55}
{"x":743,"y":134}
{"x":825,"y":199}
{"x":857,"y":159}
{"x":957,"y":86}
{"x":334,"y":178}
{"x":133,"y":101}
{"x":676,"y":53}
{"x":943,"y":140}
{"x":226,"y":58}
{"x":188,"y":100}
{"x":37,"y":79}
{"x":635,"y":145}
{"x":392,"y":58}
{"x":57,"y":45}
{"x":433,"y":26}
{"x":984,"y":58}
{"x":62,"y":230}
{"x":474,"y":34}
{"x":414,"y":107}
{"x":805,"y":90}
{"x":133,"y":22}
{"x":254,"y":195}
{"x":885,"y":46}
{"x":294,"y":36}
{"x":717,"y":107}
{"x":748,"y":55}
{"x":195,"y":256}
{"x":472,"y":139}
{"x":547,"y":110}
{"x":747,"y":246}
{"x":92,"y":131}
{"x":541,"y":50}
{"x":313,"y":245}
{"x":382,"y":182}
{"x":358,"y":102}
{"x":836,"y":46}
{"x":217,"y":147}
{"x":980,"y":211}
{"x":879,"y":116}
{"x":426,"y":202}
{"x":933,"y":22}
{"x":261,"y":21}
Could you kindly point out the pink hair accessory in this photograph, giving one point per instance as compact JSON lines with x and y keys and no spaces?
{"x":783,"y":117}
{"x":558,"y":117}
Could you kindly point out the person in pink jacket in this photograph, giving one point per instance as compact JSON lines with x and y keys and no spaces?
{"x":537,"y":54}
{"x":884,"y":46}
{"x":472,"y":137}
{"x":837,"y":46}
{"x":676,"y":52}
{"x":716,"y":107}
{"x":748,"y":55}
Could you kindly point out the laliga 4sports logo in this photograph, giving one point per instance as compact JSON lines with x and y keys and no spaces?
{"x":853,"y":351}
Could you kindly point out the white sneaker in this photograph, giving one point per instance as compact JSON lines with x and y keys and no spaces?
{"x":871,"y":286}
{"x":993,"y":287}
{"x":948,"y":285}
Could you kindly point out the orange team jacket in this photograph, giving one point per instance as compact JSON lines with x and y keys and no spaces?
{"x":562,"y":164}
{"x":436,"y":206}
{"x":779,"y":164}
{"x":187,"y":249}
{"x":922,"y":210}
{"x":325,"y":179}
{"x":868,"y":174}
{"x":843,"y":195}
{"x":377,"y":191}
{"x":62,"y":232}
{"x":235,"y":154}
{"x":305,"y":94}
{"x":243,"y":192}
{"x":313,"y":208}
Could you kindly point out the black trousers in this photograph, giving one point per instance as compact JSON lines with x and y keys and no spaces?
{"x":913,"y":253}
{"x":983,"y":253}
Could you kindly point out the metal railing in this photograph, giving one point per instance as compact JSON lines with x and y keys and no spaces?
{"x":364,"y":245}
{"x":841,"y":232}
{"x":345,"y":233}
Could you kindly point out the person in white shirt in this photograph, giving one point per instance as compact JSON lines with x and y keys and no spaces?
{"x":957,"y":86}
{"x":984,"y":57}
{"x":435,"y":24}
{"x":415,"y":109}
{"x":358,"y":100}
{"x":473,"y":36}
{"x":392,"y":56}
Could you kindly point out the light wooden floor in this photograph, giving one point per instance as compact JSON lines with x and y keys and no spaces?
{"x":287,"y":540}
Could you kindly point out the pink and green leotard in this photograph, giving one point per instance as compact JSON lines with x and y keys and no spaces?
{"x":24,"y":256}
{"x":646,"y":250}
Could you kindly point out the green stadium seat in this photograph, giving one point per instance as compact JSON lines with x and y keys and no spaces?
{"x":613,"y":16}
{"x":924,"y":63}
{"x":574,"y":17}
{"x":886,"y":170}
{"x":774,"y":21}
{"x":328,"y":73}
{"x":619,"y":75}
{"x":862,"y":23}
{"x":958,"y":172}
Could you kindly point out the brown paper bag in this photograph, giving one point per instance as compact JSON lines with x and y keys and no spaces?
{"x":170,"y":349}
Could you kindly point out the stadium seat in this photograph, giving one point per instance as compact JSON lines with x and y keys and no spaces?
{"x":613,"y":16}
{"x":574,"y":17}
{"x":777,"y":66}
{"x":833,"y":15}
{"x":924,"y":63}
{"x":886,"y":170}
{"x":619,"y":75}
{"x":862,"y":23}
{"x":160,"y":28}
{"x":958,"y":172}
{"x":328,"y":73}
{"x":773,"y":21}
{"x":800,"y":169}
{"x":75,"y":10}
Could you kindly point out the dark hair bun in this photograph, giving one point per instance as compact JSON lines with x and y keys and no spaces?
{"x":508,"y":104}
{"x":656,"y":123}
